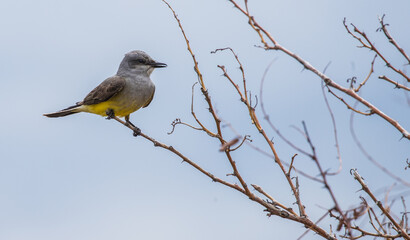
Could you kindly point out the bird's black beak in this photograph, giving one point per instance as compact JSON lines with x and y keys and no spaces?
{"x":158,"y":65}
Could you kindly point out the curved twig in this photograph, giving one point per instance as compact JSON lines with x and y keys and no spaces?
{"x":328,"y":81}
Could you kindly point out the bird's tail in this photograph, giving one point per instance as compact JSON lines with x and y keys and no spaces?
{"x":64,"y":112}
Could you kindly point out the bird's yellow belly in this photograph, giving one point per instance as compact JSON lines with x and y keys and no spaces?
{"x":120,"y":110}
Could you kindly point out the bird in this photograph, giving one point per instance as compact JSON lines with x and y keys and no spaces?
{"x":130,"y":89}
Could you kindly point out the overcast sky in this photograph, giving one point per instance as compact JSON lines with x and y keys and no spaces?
{"x":84,"y":177}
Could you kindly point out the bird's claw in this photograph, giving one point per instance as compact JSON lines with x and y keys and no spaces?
{"x":110,"y":114}
{"x":137,"y":132}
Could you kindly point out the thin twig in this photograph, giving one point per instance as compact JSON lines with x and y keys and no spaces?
{"x":240,"y":68}
{"x":183,"y":157}
{"x":391,"y":39}
{"x":255,"y":122}
{"x":400,"y":231}
{"x":347,"y":105}
{"x":267,"y":117}
{"x":240,"y":145}
{"x":177,"y":122}
{"x":339,"y":156}
{"x":272,"y":209}
{"x":291,"y":164}
{"x":274,"y":201}
{"x":396,"y":84}
{"x":405,"y":219}
{"x":368,"y":76}
{"x":210,"y":105}
{"x":205,"y":129}
{"x":369,"y":45}
{"x":328,"y":81}
{"x":317,"y":222}
{"x":325,"y":182}
{"x":256,"y":148}
{"x":369,"y":157}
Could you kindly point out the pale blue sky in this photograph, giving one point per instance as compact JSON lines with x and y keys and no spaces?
{"x":83,"y":177}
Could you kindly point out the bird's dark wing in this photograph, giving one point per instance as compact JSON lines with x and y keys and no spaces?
{"x":106,"y":90}
{"x":150,"y":99}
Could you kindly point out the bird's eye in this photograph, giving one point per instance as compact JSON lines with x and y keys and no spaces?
{"x":134,"y":63}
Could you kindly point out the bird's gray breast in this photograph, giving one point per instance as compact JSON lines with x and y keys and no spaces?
{"x":136,"y":92}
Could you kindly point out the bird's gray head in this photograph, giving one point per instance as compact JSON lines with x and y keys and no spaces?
{"x":138,"y":62}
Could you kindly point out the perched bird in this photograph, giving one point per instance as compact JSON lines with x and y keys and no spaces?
{"x":122,"y":94}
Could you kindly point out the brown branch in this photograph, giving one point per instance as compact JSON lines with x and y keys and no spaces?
{"x":317,"y":222}
{"x":400,"y":231}
{"x":183,"y":157}
{"x":378,"y":221}
{"x":256,"y":123}
{"x":323,"y":174}
{"x":369,"y":157}
{"x":364,"y":45}
{"x":371,"y":47}
{"x":347,"y":105}
{"x":246,"y":138}
{"x":274,"y":201}
{"x":405,"y":219}
{"x":396,"y":84}
{"x":210,"y":105}
{"x":177,"y":122}
{"x":391,"y":39}
{"x":240,"y":68}
{"x":270,"y":208}
{"x":209,"y":132}
{"x":291,"y":164}
{"x":308,"y":66}
{"x":249,"y":143}
{"x":368,"y":76}
{"x":298,"y":171}
{"x":381,"y":235}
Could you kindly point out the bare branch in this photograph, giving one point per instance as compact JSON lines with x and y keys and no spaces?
{"x":368,"y":76}
{"x":323,"y":174}
{"x":391,"y":39}
{"x":396,"y":84}
{"x":209,"y":132}
{"x":291,"y":164}
{"x":369,"y":157}
{"x":400,"y":231}
{"x":178,"y":121}
{"x":183,"y":157}
{"x":246,"y":138}
{"x":347,"y":105}
{"x":274,"y":201}
{"x":255,"y":122}
{"x":328,"y":81}
{"x":369,"y":45}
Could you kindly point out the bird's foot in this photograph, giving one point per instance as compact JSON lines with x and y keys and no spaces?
{"x":136,"y":130}
{"x":110,"y":114}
